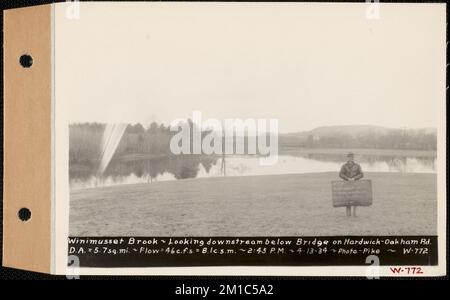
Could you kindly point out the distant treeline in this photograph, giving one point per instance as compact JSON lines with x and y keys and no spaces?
{"x":154,"y":141}
{"x":85,"y":140}
{"x":394,"y":139}
{"x":136,"y":144}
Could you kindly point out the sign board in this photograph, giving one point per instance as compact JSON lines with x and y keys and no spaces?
{"x":348,"y":193}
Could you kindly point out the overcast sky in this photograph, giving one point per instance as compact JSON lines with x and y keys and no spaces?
{"x":307,"y":65}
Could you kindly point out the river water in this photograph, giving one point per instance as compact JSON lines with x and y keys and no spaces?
{"x":201,"y":166}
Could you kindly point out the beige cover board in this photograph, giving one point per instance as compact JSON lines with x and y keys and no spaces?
{"x":27,"y":139}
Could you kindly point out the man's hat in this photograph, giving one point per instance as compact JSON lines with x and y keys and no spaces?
{"x":350,"y":154}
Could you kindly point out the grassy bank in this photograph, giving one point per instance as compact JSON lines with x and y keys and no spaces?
{"x":278,"y":205}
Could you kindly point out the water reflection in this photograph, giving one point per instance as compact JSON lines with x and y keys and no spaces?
{"x":139,"y":170}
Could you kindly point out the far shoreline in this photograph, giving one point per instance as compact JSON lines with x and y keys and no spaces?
{"x":298,"y":151}
{"x":358,"y":151}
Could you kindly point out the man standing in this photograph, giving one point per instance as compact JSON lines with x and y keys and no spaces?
{"x":351,"y":171}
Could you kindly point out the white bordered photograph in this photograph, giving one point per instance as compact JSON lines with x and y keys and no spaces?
{"x":249,"y":138}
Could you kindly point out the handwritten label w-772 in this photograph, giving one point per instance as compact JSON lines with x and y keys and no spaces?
{"x":406,"y":270}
